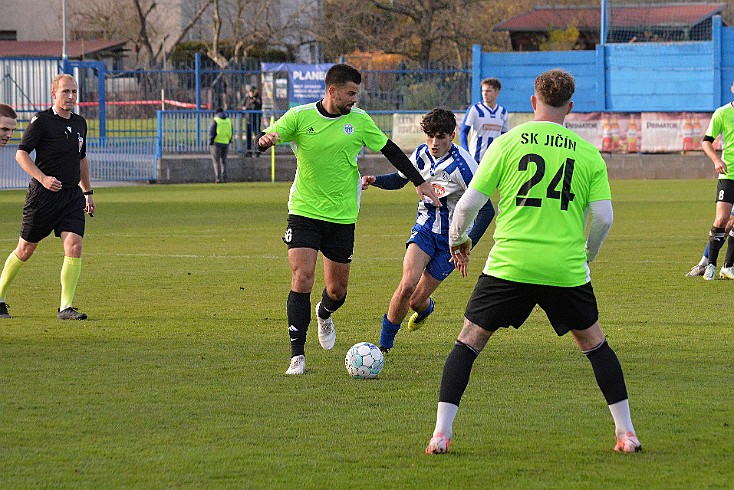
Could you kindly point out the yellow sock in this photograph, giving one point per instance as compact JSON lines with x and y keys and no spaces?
{"x":11,"y":269}
{"x":70,"y":272}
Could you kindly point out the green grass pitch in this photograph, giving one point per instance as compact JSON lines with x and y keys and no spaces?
{"x":177,"y":379}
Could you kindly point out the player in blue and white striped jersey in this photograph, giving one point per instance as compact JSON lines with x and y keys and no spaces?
{"x":449,"y":169}
{"x":484,"y":121}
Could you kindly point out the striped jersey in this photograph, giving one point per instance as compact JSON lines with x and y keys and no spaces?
{"x":449,"y":176}
{"x":481,"y":125}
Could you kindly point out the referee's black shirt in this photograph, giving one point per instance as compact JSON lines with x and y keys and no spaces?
{"x":60,"y":145}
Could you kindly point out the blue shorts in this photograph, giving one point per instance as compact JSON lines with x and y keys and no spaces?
{"x":436,"y":247}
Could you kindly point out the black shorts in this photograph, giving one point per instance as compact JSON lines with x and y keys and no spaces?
{"x":497,"y":303}
{"x":725,"y":191}
{"x":335,"y":240}
{"x":45,"y":211}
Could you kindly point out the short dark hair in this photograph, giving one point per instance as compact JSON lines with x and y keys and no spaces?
{"x":492,"y":82}
{"x":438,"y":121}
{"x":342,"y":73}
{"x":555,"y":87}
{"x":7,"y":111}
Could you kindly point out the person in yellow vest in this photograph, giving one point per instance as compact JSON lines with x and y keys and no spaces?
{"x":220,"y":136}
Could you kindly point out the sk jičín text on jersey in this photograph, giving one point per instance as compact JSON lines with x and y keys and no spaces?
{"x":556,"y":140}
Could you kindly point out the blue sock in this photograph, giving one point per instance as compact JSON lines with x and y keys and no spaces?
{"x":422,"y":316}
{"x":387,"y":335}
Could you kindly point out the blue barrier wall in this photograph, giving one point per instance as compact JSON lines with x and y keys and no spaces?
{"x":641,"y":77}
{"x":726,"y":62}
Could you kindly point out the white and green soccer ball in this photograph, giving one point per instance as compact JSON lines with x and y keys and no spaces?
{"x":364,"y":361}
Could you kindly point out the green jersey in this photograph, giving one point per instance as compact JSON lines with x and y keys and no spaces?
{"x":327,"y":186}
{"x":722,"y":123}
{"x":546,"y":176}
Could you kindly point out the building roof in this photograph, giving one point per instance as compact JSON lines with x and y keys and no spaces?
{"x":589,"y":18}
{"x":52,"y":49}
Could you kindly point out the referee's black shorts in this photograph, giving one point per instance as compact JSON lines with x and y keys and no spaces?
{"x":45,"y":211}
{"x":498,"y":303}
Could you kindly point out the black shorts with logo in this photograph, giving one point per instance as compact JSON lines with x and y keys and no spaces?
{"x":725,"y":191}
{"x":498,"y":303}
{"x":334,"y":240}
{"x":45,"y":211}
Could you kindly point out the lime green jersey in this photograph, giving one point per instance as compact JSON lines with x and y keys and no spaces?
{"x":327,"y":186}
{"x":546,"y":176}
{"x":722,"y":123}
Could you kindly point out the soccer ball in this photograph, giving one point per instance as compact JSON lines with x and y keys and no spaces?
{"x":364,"y":361}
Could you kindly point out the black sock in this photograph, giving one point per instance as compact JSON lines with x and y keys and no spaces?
{"x":608,"y":372}
{"x":456,"y":373}
{"x":329,"y":305}
{"x":716,"y":241}
{"x":299,"y":316}
{"x":729,"y":259}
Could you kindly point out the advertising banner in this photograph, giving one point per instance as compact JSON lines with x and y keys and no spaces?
{"x":292,"y":83}
{"x":407,"y":132}
{"x":666,"y":132}
{"x":617,"y":132}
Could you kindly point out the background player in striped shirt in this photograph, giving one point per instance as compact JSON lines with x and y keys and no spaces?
{"x":449,"y":169}
{"x":484,"y":121}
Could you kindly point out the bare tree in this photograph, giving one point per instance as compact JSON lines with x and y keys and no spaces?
{"x":421,"y":30}
{"x":138,"y":21}
{"x":250,"y":24}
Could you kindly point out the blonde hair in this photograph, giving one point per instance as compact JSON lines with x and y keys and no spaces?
{"x":57,"y":80}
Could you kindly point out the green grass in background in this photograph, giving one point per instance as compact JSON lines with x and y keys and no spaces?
{"x":176,"y":380}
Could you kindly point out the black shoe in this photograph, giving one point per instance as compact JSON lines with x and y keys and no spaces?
{"x":4,"y":310}
{"x":71,"y":313}
{"x":384,"y":350}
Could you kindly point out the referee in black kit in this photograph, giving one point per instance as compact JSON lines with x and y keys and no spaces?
{"x":55,"y":201}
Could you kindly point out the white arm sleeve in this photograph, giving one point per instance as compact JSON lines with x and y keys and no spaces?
{"x":602,"y":217}
{"x":464,"y":214}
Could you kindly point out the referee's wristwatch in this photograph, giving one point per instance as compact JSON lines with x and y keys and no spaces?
{"x":89,"y":192}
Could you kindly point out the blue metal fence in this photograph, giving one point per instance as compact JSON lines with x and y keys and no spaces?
{"x":186,"y":131}
{"x":123,"y":160}
{"x":125,"y":104}
{"x":12,"y":176}
{"x":111,"y":160}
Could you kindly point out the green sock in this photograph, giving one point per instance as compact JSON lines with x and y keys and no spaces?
{"x":11,"y":269}
{"x":70,"y":272}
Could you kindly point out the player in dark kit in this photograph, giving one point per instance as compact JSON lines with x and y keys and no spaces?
{"x":55,"y":201}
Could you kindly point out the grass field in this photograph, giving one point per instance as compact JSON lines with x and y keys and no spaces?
{"x":177,"y":379}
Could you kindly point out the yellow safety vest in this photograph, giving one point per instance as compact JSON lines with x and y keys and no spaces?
{"x":224,"y":130}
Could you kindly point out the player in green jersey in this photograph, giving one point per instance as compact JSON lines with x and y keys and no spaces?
{"x":326,"y":137}
{"x":722,"y":123}
{"x":548,"y":178}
